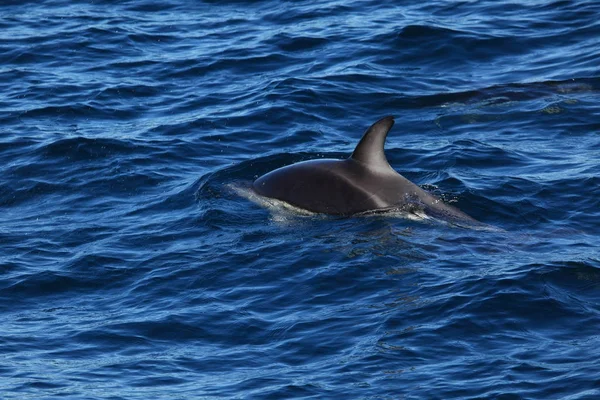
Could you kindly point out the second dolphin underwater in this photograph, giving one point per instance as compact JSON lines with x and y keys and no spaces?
{"x":363,"y":183}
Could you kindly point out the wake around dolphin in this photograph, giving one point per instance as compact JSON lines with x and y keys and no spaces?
{"x":363,"y":183}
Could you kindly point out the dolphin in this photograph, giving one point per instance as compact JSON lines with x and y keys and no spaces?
{"x":363,"y":183}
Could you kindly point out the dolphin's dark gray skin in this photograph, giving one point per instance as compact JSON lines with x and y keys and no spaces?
{"x":363,"y":183}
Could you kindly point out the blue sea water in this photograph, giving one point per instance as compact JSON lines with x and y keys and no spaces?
{"x":135,"y":263}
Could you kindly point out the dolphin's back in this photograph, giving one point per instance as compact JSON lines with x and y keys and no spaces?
{"x":323,"y":186}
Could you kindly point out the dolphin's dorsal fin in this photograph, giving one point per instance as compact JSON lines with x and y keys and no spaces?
{"x":369,"y":150}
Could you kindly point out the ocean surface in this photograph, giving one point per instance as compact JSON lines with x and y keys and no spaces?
{"x":136,"y":262}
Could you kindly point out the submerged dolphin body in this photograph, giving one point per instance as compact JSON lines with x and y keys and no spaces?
{"x":363,"y":183}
